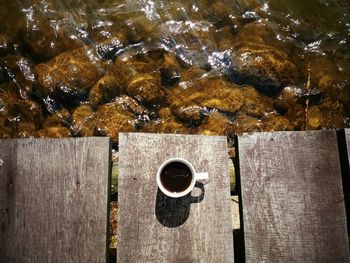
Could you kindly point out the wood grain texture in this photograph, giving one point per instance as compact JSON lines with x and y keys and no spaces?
{"x":293,"y":204}
{"x":344,"y":147}
{"x":153,"y":228}
{"x":347,"y":138}
{"x":54,"y":199}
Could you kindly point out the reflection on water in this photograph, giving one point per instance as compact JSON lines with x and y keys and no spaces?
{"x":83,"y":68}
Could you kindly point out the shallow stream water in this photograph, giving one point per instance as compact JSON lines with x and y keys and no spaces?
{"x":83,"y":68}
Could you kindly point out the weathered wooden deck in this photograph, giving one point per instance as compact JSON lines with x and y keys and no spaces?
{"x":292,"y":197}
{"x":156,"y":228}
{"x":54,"y":196}
{"x":54,"y":200}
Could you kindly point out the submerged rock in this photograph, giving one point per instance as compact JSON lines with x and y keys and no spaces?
{"x":167,"y":123}
{"x":110,"y":120}
{"x":47,"y":32}
{"x":244,"y":123}
{"x":262,"y":66}
{"x":192,"y":114}
{"x":20,"y":71}
{"x":146,"y":88}
{"x":6,"y":127}
{"x":287,"y":98}
{"x":72,"y":72}
{"x":105,"y":90}
{"x":259,"y":32}
{"x":53,"y":132}
{"x":84,"y":123}
{"x":225,"y":38}
{"x":26,"y":129}
{"x":296,"y":116}
{"x":259,"y":60}
{"x":61,"y":117}
{"x":131,"y":65}
{"x":17,"y":109}
{"x":255,"y":103}
{"x":217,"y":124}
{"x":327,"y":115}
{"x":6,"y":44}
{"x":170,"y":70}
{"x":210,"y":93}
{"x":191,"y":41}
{"x":127,"y":103}
{"x":276,"y":123}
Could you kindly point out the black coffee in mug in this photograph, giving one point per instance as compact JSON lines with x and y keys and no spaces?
{"x":176,"y":177}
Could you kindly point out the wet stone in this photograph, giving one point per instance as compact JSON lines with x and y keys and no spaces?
{"x":287,"y":98}
{"x":328,"y":114}
{"x":170,"y":75}
{"x":170,"y":69}
{"x":138,"y":28}
{"x":6,"y":45}
{"x":49,"y":32}
{"x":260,"y":32}
{"x":191,"y":41}
{"x":110,"y":48}
{"x":110,"y":120}
{"x":2,"y":75}
{"x":225,"y":38}
{"x":72,"y":72}
{"x":21,"y":71}
{"x":132,"y":65}
{"x":193,"y":74}
{"x":276,"y":123}
{"x":84,"y":123}
{"x":258,"y":59}
{"x":146,"y":88}
{"x":6,"y":127}
{"x":29,"y":111}
{"x":222,"y":13}
{"x":262,"y":66}
{"x":343,"y":95}
{"x":255,"y":103}
{"x":296,"y":116}
{"x":17,"y":109}
{"x":166,"y":123}
{"x":26,"y":130}
{"x":61,"y":117}
{"x":327,"y":75}
{"x":192,"y":115}
{"x":244,"y":123}
{"x":53,"y":132}
{"x":129,"y":104}
{"x":217,"y":124}
{"x":105,"y":90}
{"x":206,"y":94}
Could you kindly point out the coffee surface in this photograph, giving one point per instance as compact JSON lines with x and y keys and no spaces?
{"x":176,"y":177}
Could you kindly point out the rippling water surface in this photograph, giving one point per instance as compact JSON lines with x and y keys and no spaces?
{"x":83,"y":68}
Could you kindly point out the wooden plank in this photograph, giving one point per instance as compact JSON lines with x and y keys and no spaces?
{"x":344,"y":148}
{"x":54,"y":200}
{"x":154,"y":228}
{"x":347,"y":137}
{"x":293,"y":204}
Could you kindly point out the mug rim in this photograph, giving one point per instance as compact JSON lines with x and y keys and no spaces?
{"x":184,"y":192}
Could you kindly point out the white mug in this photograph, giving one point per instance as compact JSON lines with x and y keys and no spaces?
{"x":190,"y":182}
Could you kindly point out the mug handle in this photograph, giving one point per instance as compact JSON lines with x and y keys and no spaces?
{"x":202,"y":176}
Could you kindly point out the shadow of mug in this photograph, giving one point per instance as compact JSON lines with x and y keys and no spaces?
{"x":173,"y":212}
